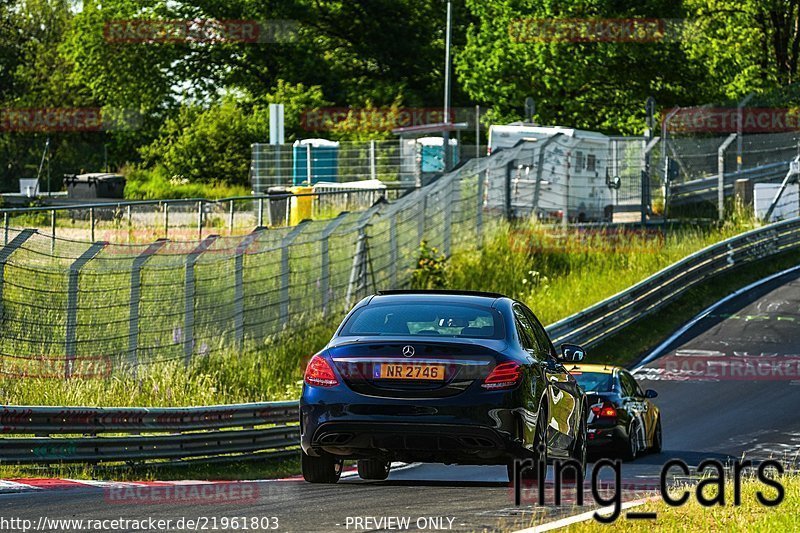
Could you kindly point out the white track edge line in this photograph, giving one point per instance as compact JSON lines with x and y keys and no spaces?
{"x":583,"y":517}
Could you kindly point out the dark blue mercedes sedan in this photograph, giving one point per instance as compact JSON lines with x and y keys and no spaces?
{"x":439,"y":376}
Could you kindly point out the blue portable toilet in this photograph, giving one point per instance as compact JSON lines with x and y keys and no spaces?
{"x":324,"y":161}
{"x":431,"y":151}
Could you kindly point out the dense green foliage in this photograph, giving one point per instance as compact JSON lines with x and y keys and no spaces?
{"x":192,"y":108}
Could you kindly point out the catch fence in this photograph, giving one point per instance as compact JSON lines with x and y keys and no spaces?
{"x":79,"y":309}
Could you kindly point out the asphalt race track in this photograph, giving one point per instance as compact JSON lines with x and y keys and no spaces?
{"x":728,"y":387}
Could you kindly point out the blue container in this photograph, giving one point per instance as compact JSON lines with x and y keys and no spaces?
{"x":324,"y":161}
{"x":432,"y":153}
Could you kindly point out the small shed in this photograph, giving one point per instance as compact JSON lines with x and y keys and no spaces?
{"x":96,"y":185}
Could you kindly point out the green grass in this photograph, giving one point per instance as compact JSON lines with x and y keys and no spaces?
{"x":751,"y":516}
{"x":143,"y":184}
{"x":269,"y":371}
{"x":559,"y":276}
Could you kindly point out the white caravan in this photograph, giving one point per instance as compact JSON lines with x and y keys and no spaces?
{"x":564,"y":169}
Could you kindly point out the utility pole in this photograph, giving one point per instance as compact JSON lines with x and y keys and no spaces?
{"x":446,"y":133}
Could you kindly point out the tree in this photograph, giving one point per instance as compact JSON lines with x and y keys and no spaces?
{"x":596,"y":84}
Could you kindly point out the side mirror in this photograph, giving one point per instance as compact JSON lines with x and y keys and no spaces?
{"x":650,"y":393}
{"x":572,"y":353}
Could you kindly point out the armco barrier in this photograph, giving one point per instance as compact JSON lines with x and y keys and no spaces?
{"x":217,"y":432}
{"x":149,"y":433}
{"x":608,"y":317}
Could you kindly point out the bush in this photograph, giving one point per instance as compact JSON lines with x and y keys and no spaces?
{"x":155,"y":184}
{"x":209,"y":144}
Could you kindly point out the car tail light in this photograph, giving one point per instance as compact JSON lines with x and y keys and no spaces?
{"x":319,"y":373}
{"x":604,"y":410}
{"x":503,"y":376}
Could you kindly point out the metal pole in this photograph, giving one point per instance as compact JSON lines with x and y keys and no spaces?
{"x":739,"y":127}
{"x":308,"y":165}
{"x":72,"y":305}
{"x":130,"y":222}
{"x":189,"y":297}
{"x":166,"y":220}
{"x":260,"y":212}
{"x":446,"y":133}
{"x":721,"y":174}
{"x":477,"y":132}
{"x":373,"y":172}
{"x":5,"y":229}
{"x":135,"y":297}
{"x":230,"y":220}
{"x":200,"y":219}
{"x":91,"y":221}
{"x":52,"y":231}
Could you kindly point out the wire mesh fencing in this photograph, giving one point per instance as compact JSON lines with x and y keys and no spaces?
{"x":77,"y":309}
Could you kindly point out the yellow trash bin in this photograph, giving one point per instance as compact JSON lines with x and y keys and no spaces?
{"x":301,"y":205}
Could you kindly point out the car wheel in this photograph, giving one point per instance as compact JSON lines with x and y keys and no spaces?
{"x":323,"y":469}
{"x":374,"y":469}
{"x":631,"y":450}
{"x":657,"y":438}
{"x":539,"y":442}
{"x":579,"y":449}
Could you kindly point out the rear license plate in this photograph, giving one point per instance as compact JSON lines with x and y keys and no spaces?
{"x":410,"y":371}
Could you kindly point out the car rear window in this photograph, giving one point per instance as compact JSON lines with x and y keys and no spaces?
{"x":593,"y":381}
{"x":425,"y":319}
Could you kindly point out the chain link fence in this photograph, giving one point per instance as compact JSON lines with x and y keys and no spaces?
{"x":73,"y":308}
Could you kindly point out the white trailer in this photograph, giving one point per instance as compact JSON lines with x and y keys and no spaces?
{"x":564,"y":171}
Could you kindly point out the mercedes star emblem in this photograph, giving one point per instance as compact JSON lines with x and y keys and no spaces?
{"x":408,"y":351}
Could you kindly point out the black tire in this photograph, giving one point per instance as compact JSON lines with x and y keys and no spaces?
{"x":630,"y":449}
{"x":579,"y":451}
{"x":323,"y":469}
{"x":658,"y":439}
{"x":539,"y":442}
{"x":373,"y":469}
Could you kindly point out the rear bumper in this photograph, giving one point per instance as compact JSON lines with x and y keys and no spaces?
{"x":470,"y":429}
{"x":599,"y":438}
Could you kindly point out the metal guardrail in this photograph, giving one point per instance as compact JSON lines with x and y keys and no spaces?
{"x":706,"y":189}
{"x":95,"y":435}
{"x":610,"y":316}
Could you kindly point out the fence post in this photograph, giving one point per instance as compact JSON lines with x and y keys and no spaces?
{"x":238,"y":285}
{"x":135,"y":295}
{"x":52,"y":231}
{"x":358,"y":271}
{"x":285,"y":280}
{"x":188,"y":296}
{"x":507,"y":190}
{"x":721,"y":175}
{"x":448,"y":216}
{"x":539,"y":170}
{"x":260,"y":221}
{"x":325,"y":269}
{"x":231,"y":217}
{"x":91,"y":221}
{"x":130,"y":222}
{"x":5,"y":229}
{"x":393,"y":251}
{"x":5,"y":253}
{"x":423,"y":205}
{"x":373,"y":172}
{"x":647,"y":147}
{"x":200,"y":219}
{"x":72,"y":304}
{"x":479,"y":214}
{"x":166,"y":220}
{"x":308,"y":165}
